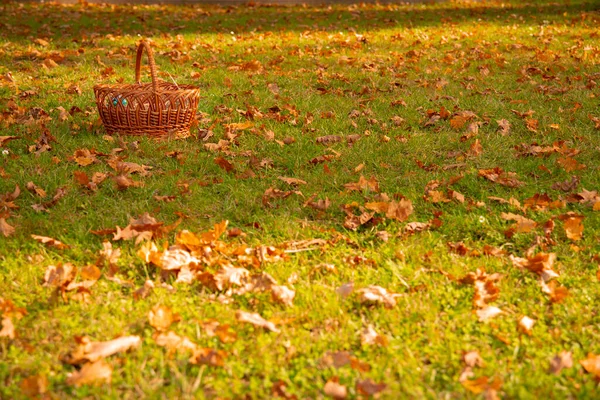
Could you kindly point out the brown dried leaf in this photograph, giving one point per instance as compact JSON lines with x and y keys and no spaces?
{"x":363,"y":184}
{"x":8,"y":328}
{"x":283,"y":294}
{"x":256,"y":320}
{"x":5,"y":228}
{"x":50,"y":242}
{"x":91,"y":373}
{"x":562,"y":360}
{"x":88,"y":351}
{"x":161,"y":317}
{"x":592,"y":364}
{"x":292,"y":181}
{"x":334,"y":389}
{"x":377,"y":295}
{"x":368,"y":387}
{"x":34,"y":385}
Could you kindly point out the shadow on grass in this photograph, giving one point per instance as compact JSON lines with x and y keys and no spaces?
{"x":79,"y":22}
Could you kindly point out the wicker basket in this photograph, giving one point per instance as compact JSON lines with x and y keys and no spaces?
{"x":153,"y":109}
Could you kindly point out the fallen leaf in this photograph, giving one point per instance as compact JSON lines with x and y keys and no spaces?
{"x":369,"y":336}
{"x":487,"y":313}
{"x":50,"y":242}
{"x":161,"y":317}
{"x":34,"y":385}
{"x":88,"y":351}
{"x":283,"y":294}
{"x":526,"y":324}
{"x":5,"y":228}
{"x":592,"y":364}
{"x":378,"y":295}
{"x":8,"y":328}
{"x":91,"y":373}
{"x":368,"y":387}
{"x":256,"y":320}
{"x":562,"y":360}
{"x":334,"y":389}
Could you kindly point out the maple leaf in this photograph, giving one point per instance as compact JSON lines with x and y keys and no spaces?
{"x":91,"y":373}
{"x":256,"y":320}
{"x":88,"y":351}
{"x":33,"y":188}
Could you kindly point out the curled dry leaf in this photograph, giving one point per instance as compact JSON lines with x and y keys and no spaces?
{"x":377,"y":295}
{"x":256,"y":320}
{"x":91,"y":373}
{"x":88,"y":351}
{"x":50,"y":242}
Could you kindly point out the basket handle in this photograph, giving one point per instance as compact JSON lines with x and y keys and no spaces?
{"x":138,"y":64}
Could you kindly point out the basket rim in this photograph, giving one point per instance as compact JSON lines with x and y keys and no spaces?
{"x":144,"y":87}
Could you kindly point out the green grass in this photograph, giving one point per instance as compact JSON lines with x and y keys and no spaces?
{"x":429,"y":56}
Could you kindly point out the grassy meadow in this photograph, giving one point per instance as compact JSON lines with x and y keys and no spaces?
{"x":410,"y":190}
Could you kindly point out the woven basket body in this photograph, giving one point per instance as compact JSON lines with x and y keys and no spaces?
{"x":152,"y":109}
